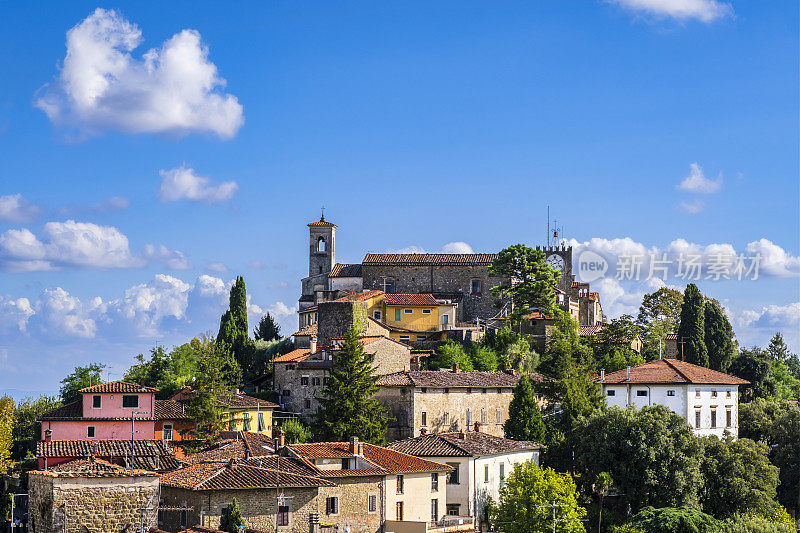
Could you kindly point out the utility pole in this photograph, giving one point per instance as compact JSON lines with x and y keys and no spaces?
{"x":130,"y":459}
{"x":553,"y":506}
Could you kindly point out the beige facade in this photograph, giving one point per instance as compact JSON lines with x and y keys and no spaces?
{"x":417,"y":501}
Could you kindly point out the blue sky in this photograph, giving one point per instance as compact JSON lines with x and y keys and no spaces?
{"x":151,"y":165}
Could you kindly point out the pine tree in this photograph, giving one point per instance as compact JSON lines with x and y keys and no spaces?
{"x":524,"y":416}
{"x":691,"y":331}
{"x":347,"y":406}
{"x":231,"y":518}
{"x":267,"y":329}
{"x":718,"y":337}
{"x":778,"y":350}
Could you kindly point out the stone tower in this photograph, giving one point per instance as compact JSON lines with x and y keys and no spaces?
{"x":321,"y":247}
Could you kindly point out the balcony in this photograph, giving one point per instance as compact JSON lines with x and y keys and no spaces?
{"x":452,"y":523}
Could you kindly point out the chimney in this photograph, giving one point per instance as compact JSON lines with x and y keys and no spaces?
{"x":48,"y":435}
{"x":354,"y":445}
{"x":281,"y":439}
{"x":360,"y":449}
{"x":629,"y":373}
{"x":602,"y":374}
{"x":456,"y":369}
{"x":313,"y":347}
{"x":477,"y":427}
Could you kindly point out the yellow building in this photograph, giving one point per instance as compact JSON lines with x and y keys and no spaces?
{"x":240,"y":412}
{"x":414,"y":317}
{"x":372,"y":300}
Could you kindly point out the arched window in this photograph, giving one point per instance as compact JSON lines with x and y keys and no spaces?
{"x":321,"y":244}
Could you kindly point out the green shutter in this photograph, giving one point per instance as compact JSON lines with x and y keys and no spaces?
{"x":397,"y":315}
{"x":261,"y":425}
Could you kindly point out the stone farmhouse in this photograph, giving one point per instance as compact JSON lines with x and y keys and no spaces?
{"x":707,"y":399}
{"x":442,"y":401}
{"x":92,"y":496}
{"x":480,"y":463}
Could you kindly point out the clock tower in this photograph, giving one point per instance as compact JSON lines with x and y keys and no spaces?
{"x":560,"y":258}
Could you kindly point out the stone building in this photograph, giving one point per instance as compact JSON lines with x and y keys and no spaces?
{"x":442,"y":401}
{"x":92,"y":496}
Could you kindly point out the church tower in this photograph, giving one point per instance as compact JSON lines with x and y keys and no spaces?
{"x":322,"y":247}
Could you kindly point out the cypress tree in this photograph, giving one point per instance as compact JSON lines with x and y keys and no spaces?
{"x":347,"y":406}
{"x":233,"y":333}
{"x":524,"y":417}
{"x":718,"y":337}
{"x":692,"y":327}
{"x":231,"y":518}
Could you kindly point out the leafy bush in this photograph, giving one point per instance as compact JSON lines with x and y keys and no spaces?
{"x":675,"y":520}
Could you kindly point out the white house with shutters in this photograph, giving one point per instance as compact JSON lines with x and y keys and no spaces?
{"x":707,"y":399}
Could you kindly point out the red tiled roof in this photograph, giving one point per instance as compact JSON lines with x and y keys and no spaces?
{"x":308,"y":330}
{"x":92,"y":468}
{"x":671,"y":371}
{"x":169,"y":410}
{"x":671,"y":336}
{"x":450,"y":379}
{"x":321,"y":222}
{"x":295,"y":355}
{"x":411,"y":299}
{"x":118,"y":387}
{"x":231,"y":476}
{"x":341,"y":270}
{"x":429,"y":259}
{"x":359,"y":296}
{"x":307,"y":309}
{"x":385,"y":459}
{"x":466,"y":444}
{"x":536,"y":315}
{"x":588,"y":331}
{"x":101,"y":448}
{"x":243,"y":401}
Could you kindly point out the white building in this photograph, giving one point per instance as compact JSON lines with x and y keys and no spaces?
{"x":480,"y":464}
{"x":707,"y":399}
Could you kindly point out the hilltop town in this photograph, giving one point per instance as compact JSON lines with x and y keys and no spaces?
{"x":422,"y":393}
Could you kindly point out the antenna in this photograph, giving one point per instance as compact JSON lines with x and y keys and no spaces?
{"x":548,"y":225}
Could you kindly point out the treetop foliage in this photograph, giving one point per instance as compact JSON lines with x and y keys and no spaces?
{"x":527,"y":280}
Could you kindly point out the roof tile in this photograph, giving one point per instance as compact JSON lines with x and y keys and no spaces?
{"x":118,"y":387}
{"x":671,"y":371}
{"x":411,"y":299}
{"x":429,"y":259}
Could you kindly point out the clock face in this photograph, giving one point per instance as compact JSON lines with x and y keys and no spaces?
{"x":556,"y":261}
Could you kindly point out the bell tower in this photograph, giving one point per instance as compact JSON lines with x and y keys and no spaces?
{"x":321,"y":246}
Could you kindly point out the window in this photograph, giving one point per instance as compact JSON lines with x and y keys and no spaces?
{"x":610,"y":392}
{"x":426,"y":311}
{"x":475,"y":287}
{"x":486,"y":474}
{"x":446,"y":390}
{"x":397,"y":315}
{"x":469,"y":418}
{"x":445,"y":320}
{"x":641,"y":393}
{"x":452,"y":476}
{"x":307,"y":404}
{"x":130,"y":401}
{"x":389,"y":286}
{"x":728,"y":393}
{"x":90,"y":432}
{"x":498,"y":415}
{"x":714,"y":393}
{"x":713,"y":417}
{"x":304,"y":381}
{"x":424,"y":418}
{"x":287,"y":392}
{"x":434,"y":509}
{"x":400,"y":484}
{"x":484,"y":417}
{"x":502,"y":471}
{"x":423,"y":390}
{"x":405,"y":338}
{"x":728,"y":418}
{"x":96,"y":399}
{"x":245,"y":421}
{"x":399,"y":511}
{"x":421,"y":337}
{"x":453,"y":509}
{"x":483,"y":391}
{"x":408,"y":311}
{"x":325,"y":381}
{"x":372,"y":503}
{"x":231,"y":422}
{"x":435,"y":482}
{"x":315,"y":382}
{"x":261,"y":425}
{"x":670,"y":393}
{"x":696,"y":393}
{"x":697,"y":418}
{"x":167,"y":433}
{"x":446,"y":418}
{"x":184,"y":517}
{"x":332,"y":505}
{"x":376,"y":315}
{"x":283,"y":515}
{"x":290,"y":367}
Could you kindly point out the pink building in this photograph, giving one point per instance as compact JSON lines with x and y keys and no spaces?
{"x":116,"y":410}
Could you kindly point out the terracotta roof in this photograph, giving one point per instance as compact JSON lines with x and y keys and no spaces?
{"x":536,"y":315}
{"x":119,"y":387}
{"x":65,"y":412}
{"x":671,"y":371}
{"x":473,"y":444}
{"x":448,"y":378}
{"x":588,"y":331}
{"x":147,"y":454}
{"x":671,"y":336}
{"x":233,"y":475}
{"x":385,"y":460}
{"x":245,"y":444}
{"x":169,"y":410}
{"x":202,"y":529}
{"x":295,"y":355}
{"x":243,"y":401}
{"x":308,"y":330}
{"x":308,"y":309}
{"x":359,"y":296}
{"x":429,"y":259}
{"x":342,"y":270}
{"x":92,"y":468}
{"x":321,"y":222}
{"x":410,"y":299}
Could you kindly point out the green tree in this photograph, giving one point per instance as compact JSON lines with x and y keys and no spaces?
{"x":691,"y":330}
{"x":565,"y":347}
{"x":602,"y":484}
{"x":784,"y":439}
{"x":231,"y":518}
{"x":749,"y":523}
{"x":204,"y":405}
{"x":7,"y":416}
{"x":778,"y":350}
{"x":737,"y":477}
{"x":450,"y":354}
{"x":295,"y":432}
{"x":267,"y":329}
{"x":718,"y":334}
{"x":233,"y":329}
{"x":528,"y":280}
{"x":483,"y":358}
{"x":675,"y":520}
{"x":659,"y":316}
{"x":80,"y":378}
{"x":347,"y":406}
{"x":651,"y":454}
{"x":617,"y":334}
{"x":755,"y":366}
{"x":618,"y":359}
{"x":524,"y":416}
{"x":524,"y":498}
{"x":27,"y":424}
{"x":520,"y":356}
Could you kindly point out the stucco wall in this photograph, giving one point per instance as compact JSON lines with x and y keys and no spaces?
{"x":416,"y":497}
{"x":103,"y":429}
{"x":111,"y":406}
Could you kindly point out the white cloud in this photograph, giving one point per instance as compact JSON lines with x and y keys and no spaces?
{"x":145,"y":307}
{"x":697,"y":182}
{"x":172,"y":89}
{"x":59,"y":314}
{"x":693,"y":207}
{"x":757,"y":326}
{"x":774,"y":259}
{"x":14,"y":313}
{"x":217,"y":267}
{"x":86,"y":244}
{"x":172,"y":259}
{"x":183,"y":184}
{"x":14,"y":208}
{"x":702,"y":10}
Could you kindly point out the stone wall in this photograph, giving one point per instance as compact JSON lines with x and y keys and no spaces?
{"x":353,"y":493}
{"x":335,"y":318}
{"x":93,"y":505}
